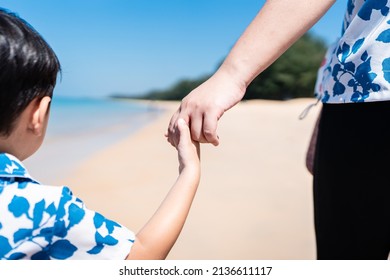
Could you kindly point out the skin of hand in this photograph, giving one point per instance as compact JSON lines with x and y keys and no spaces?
{"x":187,"y":149}
{"x":157,"y":237}
{"x":275,"y":28}
{"x":204,"y":106}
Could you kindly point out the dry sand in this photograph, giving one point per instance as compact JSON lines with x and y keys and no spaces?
{"x":255,"y":196}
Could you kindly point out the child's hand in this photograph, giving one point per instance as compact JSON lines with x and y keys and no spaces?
{"x":156,"y":238}
{"x":188,"y":150}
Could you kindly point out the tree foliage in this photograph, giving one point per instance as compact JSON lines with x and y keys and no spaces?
{"x":178,"y":91}
{"x":293,"y":75}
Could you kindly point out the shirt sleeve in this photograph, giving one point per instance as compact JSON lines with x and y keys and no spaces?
{"x":80,"y":233}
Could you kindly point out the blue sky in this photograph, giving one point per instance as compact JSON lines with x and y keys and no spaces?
{"x":134,"y":46}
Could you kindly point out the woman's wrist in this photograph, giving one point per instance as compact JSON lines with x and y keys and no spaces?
{"x":230,"y":74}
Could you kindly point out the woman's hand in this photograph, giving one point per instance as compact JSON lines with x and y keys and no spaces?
{"x":204,"y":106}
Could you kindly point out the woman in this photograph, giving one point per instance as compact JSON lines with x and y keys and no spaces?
{"x":351,"y":193}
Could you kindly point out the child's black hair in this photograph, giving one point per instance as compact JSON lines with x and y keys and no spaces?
{"x":28,"y":68}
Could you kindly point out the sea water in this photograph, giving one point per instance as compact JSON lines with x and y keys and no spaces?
{"x":79,"y":127}
{"x":72,"y":115}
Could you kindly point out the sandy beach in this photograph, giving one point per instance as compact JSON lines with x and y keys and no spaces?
{"x":255,"y":196}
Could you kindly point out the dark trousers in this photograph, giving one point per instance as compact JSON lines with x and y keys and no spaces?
{"x":352,"y":182}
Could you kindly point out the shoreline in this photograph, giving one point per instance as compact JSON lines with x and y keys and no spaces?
{"x":254,"y":200}
{"x":62,"y":151}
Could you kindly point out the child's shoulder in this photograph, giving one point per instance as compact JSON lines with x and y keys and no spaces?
{"x":28,"y":198}
{"x":20,"y":194}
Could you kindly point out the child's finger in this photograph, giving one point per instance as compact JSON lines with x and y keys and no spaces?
{"x":184,"y":130}
{"x":185,"y":135}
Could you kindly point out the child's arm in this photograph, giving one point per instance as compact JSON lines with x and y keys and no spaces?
{"x":157,"y":237}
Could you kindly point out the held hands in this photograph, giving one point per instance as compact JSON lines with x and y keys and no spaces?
{"x":204,"y":106}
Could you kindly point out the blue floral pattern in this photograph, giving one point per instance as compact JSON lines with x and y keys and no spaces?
{"x":41,"y":222}
{"x":357,"y":67}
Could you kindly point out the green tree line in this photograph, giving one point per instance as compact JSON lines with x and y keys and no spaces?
{"x":293,"y":75}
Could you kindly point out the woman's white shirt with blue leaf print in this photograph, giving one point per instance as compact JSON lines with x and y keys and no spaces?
{"x":357,"y":67}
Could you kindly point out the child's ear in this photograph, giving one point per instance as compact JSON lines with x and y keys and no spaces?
{"x":39,"y":115}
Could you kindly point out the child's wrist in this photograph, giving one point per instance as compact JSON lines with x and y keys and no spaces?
{"x":192,"y":169}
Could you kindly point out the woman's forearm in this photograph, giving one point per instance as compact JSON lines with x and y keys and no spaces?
{"x":274,"y":29}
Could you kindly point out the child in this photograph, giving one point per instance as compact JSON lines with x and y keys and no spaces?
{"x":46,"y":222}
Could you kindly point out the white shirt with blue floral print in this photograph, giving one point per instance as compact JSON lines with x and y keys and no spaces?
{"x":46,"y":222}
{"x":357,"y":66}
